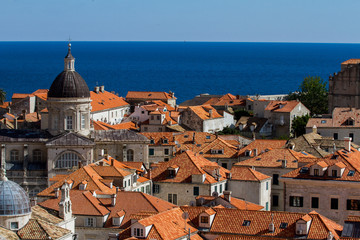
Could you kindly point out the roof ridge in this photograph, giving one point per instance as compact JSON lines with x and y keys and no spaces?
{"x":87,"y":197}
{"x":199,"y":168}
{"x":147,"y":199}
{"x":91,"y":177}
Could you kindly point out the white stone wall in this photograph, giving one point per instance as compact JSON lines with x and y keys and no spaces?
{"x":111,"y":116}
{"x":342,"y":132}
{"x":213,"y":125}
{"x":229,"y":120}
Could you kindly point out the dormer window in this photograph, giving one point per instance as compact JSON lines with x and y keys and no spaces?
{"x":351,"y":173}
{"x":165,"y":141}
{"x":152,"y":141}
{"x":248,"y":153}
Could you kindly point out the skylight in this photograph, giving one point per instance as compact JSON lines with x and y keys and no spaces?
{"x":304,"y":170}
{"x":351,"y":173}
{"x":246,"y":223}
{"x":283,"y":225}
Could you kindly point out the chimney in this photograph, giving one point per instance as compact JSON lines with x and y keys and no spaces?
{"x":113,"y":200}
{"x":283,"y":163}
{"x":348,"y":143}
{"x":314,"y":129}
{"x":102,"y":88}
{"x":112,"y":161}
{"x":227,"y":196}
{"x":80,"y":164}
{"x":96,"y":89}
{"x":16,"y":123}
{"x":149,"y":174}
{"x":57,"y":192}
{"x":210,"y":113}
{"x":271,"y":225}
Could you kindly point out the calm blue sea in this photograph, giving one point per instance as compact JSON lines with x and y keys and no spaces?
{"x":187,"y":68}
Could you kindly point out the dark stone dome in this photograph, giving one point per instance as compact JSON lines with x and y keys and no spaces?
{"x":13,"y":199}
{"x":69,"y":84}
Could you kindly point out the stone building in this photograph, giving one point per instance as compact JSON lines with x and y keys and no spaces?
{"x":329,"y":186}
{"x":344,"y":86}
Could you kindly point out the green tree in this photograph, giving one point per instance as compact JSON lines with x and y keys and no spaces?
{"x":240,"y":113}
{"x":298,"y":125}
{"x":313,"y":94}
{"x":229,"y":131}
{"x":2,"y":96}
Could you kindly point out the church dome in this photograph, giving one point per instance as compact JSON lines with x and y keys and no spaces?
{"x":13,"y":199}
{"x":69,"y":83}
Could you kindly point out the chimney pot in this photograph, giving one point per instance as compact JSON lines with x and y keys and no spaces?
{"x":113,"y":200}
{"x":348,"y":143}
{"x":57,"y":193}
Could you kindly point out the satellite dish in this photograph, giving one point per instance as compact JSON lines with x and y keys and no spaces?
{"x":215,"y":194}
{"x":185,"y":215}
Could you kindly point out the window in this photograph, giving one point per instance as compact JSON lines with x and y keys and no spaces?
{"x":353,"y":204}
{"x":90,"y":222}
{"x":165,"y":141}
{"x":138,"y":232}
{"x":267,"y":185}
{"x":296,"y":201}
{"x":336,"y":136}
{"x":351,"y":173}
{"x":145,"y":129}
{"x":204,"y":219}
{"x":14,"y":225}
{"x":82,"y":121}
{"x":314,"y":202}
{"x":130,"y":155}
{"x":69,"y":122}
{"x":267,"y":206}
{"x":316,"y":172}
{"x":196,"y":191}
{"x":323,"y":121}
{"x":275,"y":179}
{"x":221,"y":188}
{"x":275,"y":200}
{"x":215,"y":189}
{"x":151,"y":152}
{"x":152,"y":141}
{"x":156,"y":188}
{"x":67,"y":160}
{"x":352,"y":136}
{"x":158,"y":117}
{"x":283,"y":225}
{"x":142,"y":189}
{"x":152,"y":117}
{"x":142,"y":112}
{"x":14,"y":155}
{"x":334,"y":173}
{"x":172,"y":198}
{"x":37,"y":155}
{"x":166,"y":151}
{"x":224,"y":165}
{"x":246,"y":223}
{"x":334,"y":203}
{"x":207,"y":137}
{"x":148,"y":189}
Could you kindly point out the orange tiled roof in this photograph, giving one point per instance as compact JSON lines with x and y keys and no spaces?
{"x":338,"y":120}
{"x":351,"y":161}
{"x":32,"y":117}
{"x":148,"y":95}
{"x":5,"y":105}
{"x":189,"y":164}
{"x":351,"y":61}
{"x":247,"y":174}
{"x":262,"y":145}
{"x":203,"y":112}
{"x":230,"y":221}
{"x":105,"y":100}
{"x":282,"y":106}
{"x":39,"y":229}
{"x":134,"y":203}
{"x":98,"y":125}
{"x":228,"y":150}
{"x":273,"y":159}
{"x":236,"y":202}
{"x":83,"y":203}
{"x":21,"y":95}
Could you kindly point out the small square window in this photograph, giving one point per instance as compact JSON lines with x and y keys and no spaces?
{"x":283,"y":225}
{"x":334,"y":203}
{"x":14,"y":225}
{"x":314,"y":202}
{"x":204,"y":219}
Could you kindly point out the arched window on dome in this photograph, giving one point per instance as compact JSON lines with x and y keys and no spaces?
{"x":14,"y":155}
{"x":68,"y":160}
{"x":130,"y":155}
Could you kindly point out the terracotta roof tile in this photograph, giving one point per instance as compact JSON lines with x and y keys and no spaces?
{"x":148,"y":95}
{"x":247,"y":174}
{"x":38,"y":229}
{"x":338,"y":120}
{"x":189,"y":164}
{"x":351,"y":61}
{"x":203,"y":112}
{"x":262,"y":145}
{"x":282,"y":106}
{"x":105,"y":100}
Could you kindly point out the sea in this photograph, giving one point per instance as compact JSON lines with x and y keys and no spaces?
{"x":186,"y":68}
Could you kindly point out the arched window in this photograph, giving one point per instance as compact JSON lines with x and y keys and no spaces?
{"x":14,"y":155}
{"x":67,"y":160}
{"x":37,"y":155}
{"x":130,"y":155}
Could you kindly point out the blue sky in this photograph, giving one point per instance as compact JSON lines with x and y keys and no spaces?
{"x":179,"y":20}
